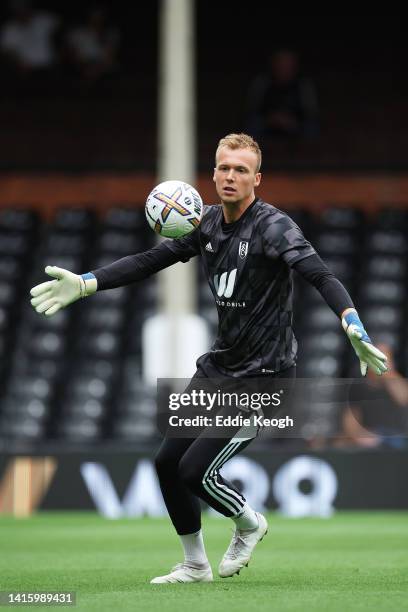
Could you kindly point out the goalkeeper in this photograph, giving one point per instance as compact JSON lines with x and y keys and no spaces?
{"x":248,"y":249}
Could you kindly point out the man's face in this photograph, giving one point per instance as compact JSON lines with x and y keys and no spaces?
{"x":235,"y":174}
{"x":284,"y":66}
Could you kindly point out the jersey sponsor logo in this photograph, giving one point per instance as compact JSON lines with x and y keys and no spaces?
{"x":229,"y":304}
{"x":209,"y":248}
{"x":225,"y":286}
{"x":243,"y":249}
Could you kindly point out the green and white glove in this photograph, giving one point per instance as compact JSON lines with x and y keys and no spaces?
{"x":51,"y":296}
{"x":368,"y":354}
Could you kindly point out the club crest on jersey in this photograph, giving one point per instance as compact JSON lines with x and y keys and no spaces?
{"x":243,"y":249}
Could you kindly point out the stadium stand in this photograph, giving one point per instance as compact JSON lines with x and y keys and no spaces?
{"x":55,"y":381}
{"x":76,"y":377}
{"x":360,"y":88}
{"x":59,"y":384}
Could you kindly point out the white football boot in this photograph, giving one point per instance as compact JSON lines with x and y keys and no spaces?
{"x":241,"y":548}
{"x":184,"y":572}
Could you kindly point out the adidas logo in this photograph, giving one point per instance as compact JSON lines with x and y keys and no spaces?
{"x":209,"y":248}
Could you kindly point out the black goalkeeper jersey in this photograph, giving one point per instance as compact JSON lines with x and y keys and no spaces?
{"x":248,"y":266}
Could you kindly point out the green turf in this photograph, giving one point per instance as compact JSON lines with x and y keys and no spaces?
{"x":353,"y":561}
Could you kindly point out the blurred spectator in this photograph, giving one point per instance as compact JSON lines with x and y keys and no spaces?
{"x":377,"y":414}
{"x":92,"y":48}
{"x":281,"y":101}
{"x":28,"y":40}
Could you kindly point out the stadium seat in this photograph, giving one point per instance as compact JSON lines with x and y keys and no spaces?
{"x":319,"y":317}
{"x":88,"y":386}
{"x":131,"y":370}
{"x":382,"y":317}
{"x":100,"y":344}
{"x":7,"y":293}
{"x":47,"y":344}
{"x":79,"y":430}
{"x":393,"y":267}
{"x":109,"y":318}
{"x":14,"y":244}
{"x":24,"y":428}
{"x":119,"y":243}
{"x":342,"y":218}
{"x":30,"y":387}
{"x":388,"y":242}
{"x":330,"y":342}
{"x":389,"y":218}
{"x":126,"y":219}
{"x":132,"y":382}
{"x":339,"y":243}
{"x":319,"y":366}
{"x":136,"y":404}
{"x":66,"y":243}
{"x":77,"y":409}
{"x":383,"y":291}
{"x":115,"y":297}
{"x":11,"y":268}
{"x":132,"y":429}
{"x":342,"y":267}
{"x":74,"y":219}
{"x":105,"y":369}
{"x":17,"y":408}
{"x":59,"y":322}
{"x":68,"y":262}
{"x":46,"y":368}
{"x":19,"y":220}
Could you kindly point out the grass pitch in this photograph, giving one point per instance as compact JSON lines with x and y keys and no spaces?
{"x":353,"y":561}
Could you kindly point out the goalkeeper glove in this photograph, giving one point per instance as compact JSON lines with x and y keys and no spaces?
{"x":51,"y":296}
{"x":367,"y":353}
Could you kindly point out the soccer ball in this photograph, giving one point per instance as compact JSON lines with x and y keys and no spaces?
{"x":174,"y":209}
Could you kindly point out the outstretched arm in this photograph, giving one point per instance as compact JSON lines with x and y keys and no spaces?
{"x":139,"y":266}
{"x":314,"y":270}
{"x":283,"y":238}
{"x":51,"y":296}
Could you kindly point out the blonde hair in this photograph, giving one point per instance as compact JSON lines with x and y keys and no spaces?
{"x":241,"y":141}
